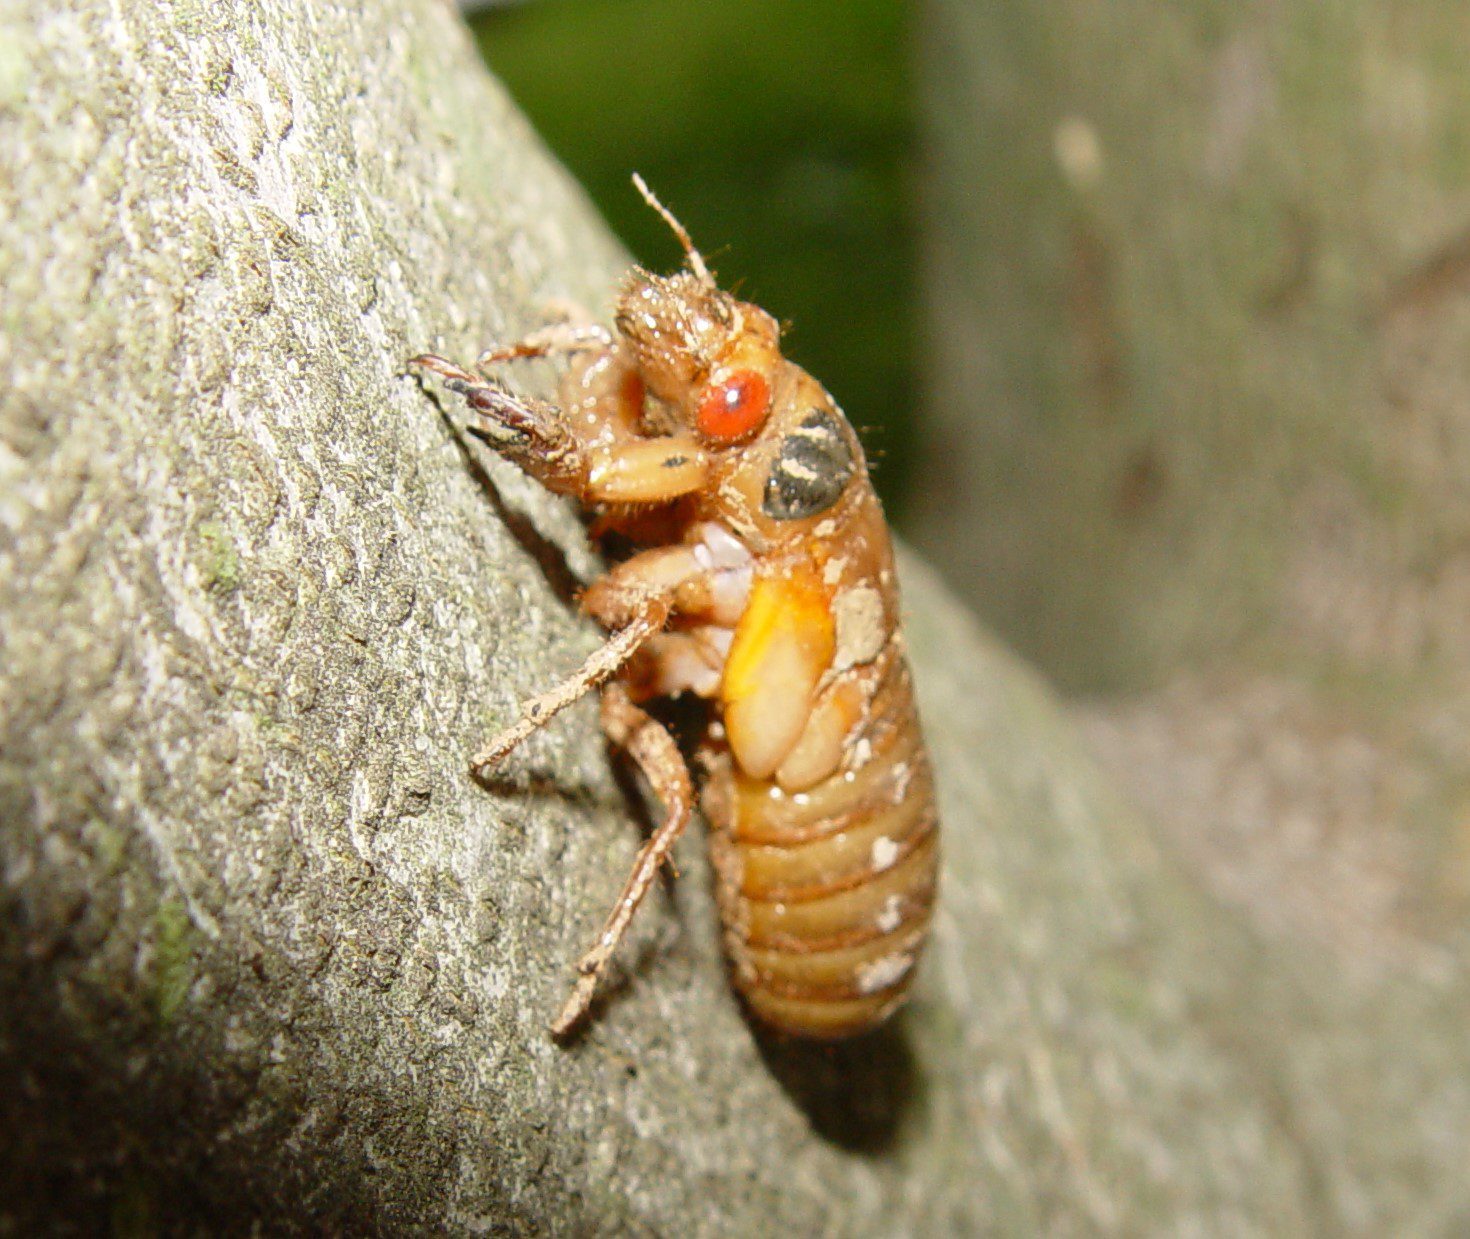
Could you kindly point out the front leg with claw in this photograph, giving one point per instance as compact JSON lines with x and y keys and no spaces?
{"x":591,"y":459}
{"x":532,"y":434}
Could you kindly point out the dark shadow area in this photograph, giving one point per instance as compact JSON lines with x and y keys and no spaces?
{"x":549,"y":557}
{"x":516,"y":780}
{"x":117,"y":1124}
{"x":855,"y":1092}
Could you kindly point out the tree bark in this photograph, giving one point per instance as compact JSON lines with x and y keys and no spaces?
{"x":272,"y":959}
{"x":1197,"y":282}
{"x":1198,"y":316}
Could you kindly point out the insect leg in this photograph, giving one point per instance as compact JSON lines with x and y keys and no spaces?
{"x":634,"y":601}
{"x":602,"y":663}
{"x":651,"y":746}
{"x":532,"y":434}
{"x":548,"y":341}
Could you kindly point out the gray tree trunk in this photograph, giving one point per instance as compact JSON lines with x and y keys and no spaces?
{"x":270,"y":957}
{"x":1199,"y":313}
{"x":1198,"y":309}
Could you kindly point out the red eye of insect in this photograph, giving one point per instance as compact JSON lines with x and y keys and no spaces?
{"x":735,"y":406}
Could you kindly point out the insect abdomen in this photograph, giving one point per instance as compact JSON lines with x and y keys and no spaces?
{"x":827,"y":893}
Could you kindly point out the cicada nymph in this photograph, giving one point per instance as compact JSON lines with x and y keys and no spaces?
{"x":762,"y":582}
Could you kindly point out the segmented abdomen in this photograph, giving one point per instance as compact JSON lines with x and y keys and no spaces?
{"x":827,"y":894}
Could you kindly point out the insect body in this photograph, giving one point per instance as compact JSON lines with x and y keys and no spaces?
{"x":765,"y":584}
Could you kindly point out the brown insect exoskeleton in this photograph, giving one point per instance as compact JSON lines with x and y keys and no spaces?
{"x":764,"y":585}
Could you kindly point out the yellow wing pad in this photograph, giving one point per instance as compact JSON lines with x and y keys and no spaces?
{"x":784,"y":642}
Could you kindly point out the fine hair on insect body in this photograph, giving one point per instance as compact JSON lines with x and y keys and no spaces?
{"x":762,"y":582}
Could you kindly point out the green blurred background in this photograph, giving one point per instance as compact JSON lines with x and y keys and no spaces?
{"x":781,"y":134}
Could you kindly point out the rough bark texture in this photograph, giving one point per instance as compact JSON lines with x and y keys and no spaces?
{"x":269,"y":956}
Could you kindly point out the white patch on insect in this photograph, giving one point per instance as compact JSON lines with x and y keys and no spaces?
{"x":718,"y":640}
{"x":858,"y":616}
{"x":832,"y":570}
{"x":862,"y":752}
{"x":879,"y":974}
{"x":891,"y":915}
{"x":902,"y":777}
{"x":684,"y":665}
{"x":885,"y":852}
{"x":729,"y":592}
{"x":721,"y":547}
{"x":729,"y":564}
{"x":817,"y":430}
{"x":795,"y":469}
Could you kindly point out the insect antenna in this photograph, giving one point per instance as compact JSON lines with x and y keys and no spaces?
{"x":692,"y":255}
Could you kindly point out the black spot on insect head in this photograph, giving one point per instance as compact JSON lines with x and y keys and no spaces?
{"x":811,"y":470}
{"x":675,"y":462}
